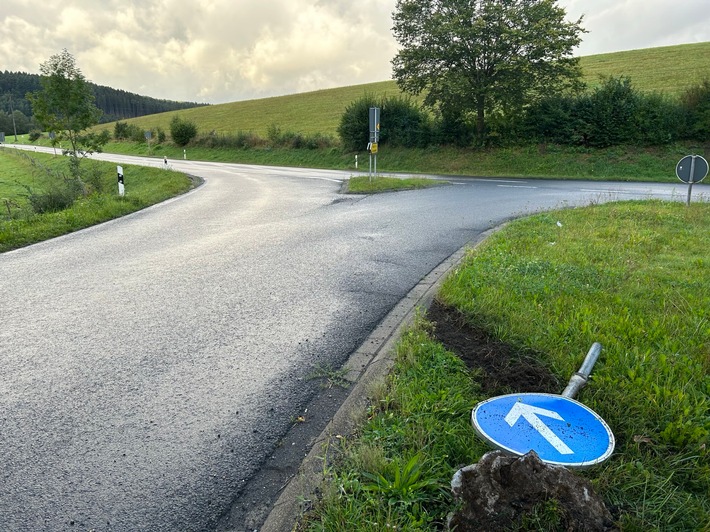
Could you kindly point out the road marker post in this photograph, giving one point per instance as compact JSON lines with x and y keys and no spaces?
{"x":121,"y":187}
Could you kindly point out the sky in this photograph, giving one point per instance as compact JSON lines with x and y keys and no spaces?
{"x":217,"y":51}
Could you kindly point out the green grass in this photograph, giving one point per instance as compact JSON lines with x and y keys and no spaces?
{"x":619,"y":163}
{"x":667,"y":69}
{"x":369,"y":185}
{"x":634,"y":276}
{"x":19,"y":226}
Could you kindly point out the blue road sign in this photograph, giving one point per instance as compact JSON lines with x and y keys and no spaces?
{"x":560,"y":430}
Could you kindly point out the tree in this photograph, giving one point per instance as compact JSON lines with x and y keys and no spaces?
{"x":182,"y":130}
{"x":65,"y":107}
{"x":471,"y":57}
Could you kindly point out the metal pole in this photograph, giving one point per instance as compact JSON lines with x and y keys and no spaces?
{"x":12,"y":113}
{"x":580,"y":378}
{"x":690,"y":181}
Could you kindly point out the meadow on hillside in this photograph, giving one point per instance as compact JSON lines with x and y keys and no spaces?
{"x":669,"y":70}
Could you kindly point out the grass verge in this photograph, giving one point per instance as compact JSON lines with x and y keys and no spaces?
{"x":634,"y":276}
{"x":365,"y":185}
{"x":619,"y":163}
{"x":20,"y":226}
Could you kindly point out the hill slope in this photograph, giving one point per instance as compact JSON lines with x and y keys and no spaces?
{"x":668,"y":69}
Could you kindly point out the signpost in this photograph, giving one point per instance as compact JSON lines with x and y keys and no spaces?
{"x":559,"y":429}
{"x":691,"y":169}
{"x":374,"y":136}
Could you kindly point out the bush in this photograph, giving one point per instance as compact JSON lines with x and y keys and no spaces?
{"x":120,"y":130}
{"x":59,"y":195}
{"x":354,"y":128}
{"x":453,"y":128}
{"x":182,"y":131}
{"x":34,"y":135}
{"x":239,"y":141}
{"x":403,"y":123}
{"x":126,"y":131}
{"x":607,"y":116}
{"x":613,"y":114}
{"x":660,"y":120}
{"x":297,"y":141}
{"x":696,"y":103}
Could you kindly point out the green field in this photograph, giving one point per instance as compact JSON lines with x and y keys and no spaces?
{"x":24,"y":173}
{"x":669,"y":69}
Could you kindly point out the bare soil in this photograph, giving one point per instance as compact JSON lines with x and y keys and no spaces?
{"x":504,"y":368}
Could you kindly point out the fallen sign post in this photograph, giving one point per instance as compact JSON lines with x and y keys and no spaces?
{"x":691,"y":169}
{"x":559,"y":429}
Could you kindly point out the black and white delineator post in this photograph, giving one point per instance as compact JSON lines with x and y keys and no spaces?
{"x":121,"y":187}
{"x":374,"y":136}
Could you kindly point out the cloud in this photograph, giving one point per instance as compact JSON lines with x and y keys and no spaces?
{"x":616,"y":25}
{"x":220,"y":50}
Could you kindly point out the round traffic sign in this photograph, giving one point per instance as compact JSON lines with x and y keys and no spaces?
{"x":692,"y":169}
{"x":560,"y":430}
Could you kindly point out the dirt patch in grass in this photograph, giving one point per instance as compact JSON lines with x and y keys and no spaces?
{"x":504,"y":368}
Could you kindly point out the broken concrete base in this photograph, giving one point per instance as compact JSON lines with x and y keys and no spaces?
{"x":500,"y":489}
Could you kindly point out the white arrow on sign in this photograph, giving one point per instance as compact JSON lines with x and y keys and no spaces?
{"x":531,"y":413}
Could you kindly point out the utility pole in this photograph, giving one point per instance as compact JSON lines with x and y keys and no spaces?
{"x":12,"y":113}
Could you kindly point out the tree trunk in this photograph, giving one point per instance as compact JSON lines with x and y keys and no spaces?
{"x":481,"y":117}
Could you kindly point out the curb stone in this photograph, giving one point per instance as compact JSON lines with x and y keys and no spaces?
{"x":371,"y":362}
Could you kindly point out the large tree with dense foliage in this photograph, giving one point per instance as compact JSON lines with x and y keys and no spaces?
{"x":65,"y":107}
{"x":471,"y":57}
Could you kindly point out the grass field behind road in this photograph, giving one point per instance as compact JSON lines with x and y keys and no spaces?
{"x":19,"y":226}
{"x":634,"y":276}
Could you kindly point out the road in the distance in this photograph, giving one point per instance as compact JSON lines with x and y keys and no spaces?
{"x":149,"y":365}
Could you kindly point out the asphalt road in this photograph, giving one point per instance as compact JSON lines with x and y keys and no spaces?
{"x":150,"y":365}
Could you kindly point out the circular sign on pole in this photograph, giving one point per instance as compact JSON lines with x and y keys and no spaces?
{"x":560,"y":430}
{"x":692,"y":169}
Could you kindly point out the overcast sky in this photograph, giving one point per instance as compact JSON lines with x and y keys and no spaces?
{"x":219,"y":51}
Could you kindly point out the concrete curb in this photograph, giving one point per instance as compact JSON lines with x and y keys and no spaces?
{"x":370,"y":363}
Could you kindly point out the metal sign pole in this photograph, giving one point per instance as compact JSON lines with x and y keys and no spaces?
{"x":690,"y":181}
{"x":580,"y":378}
